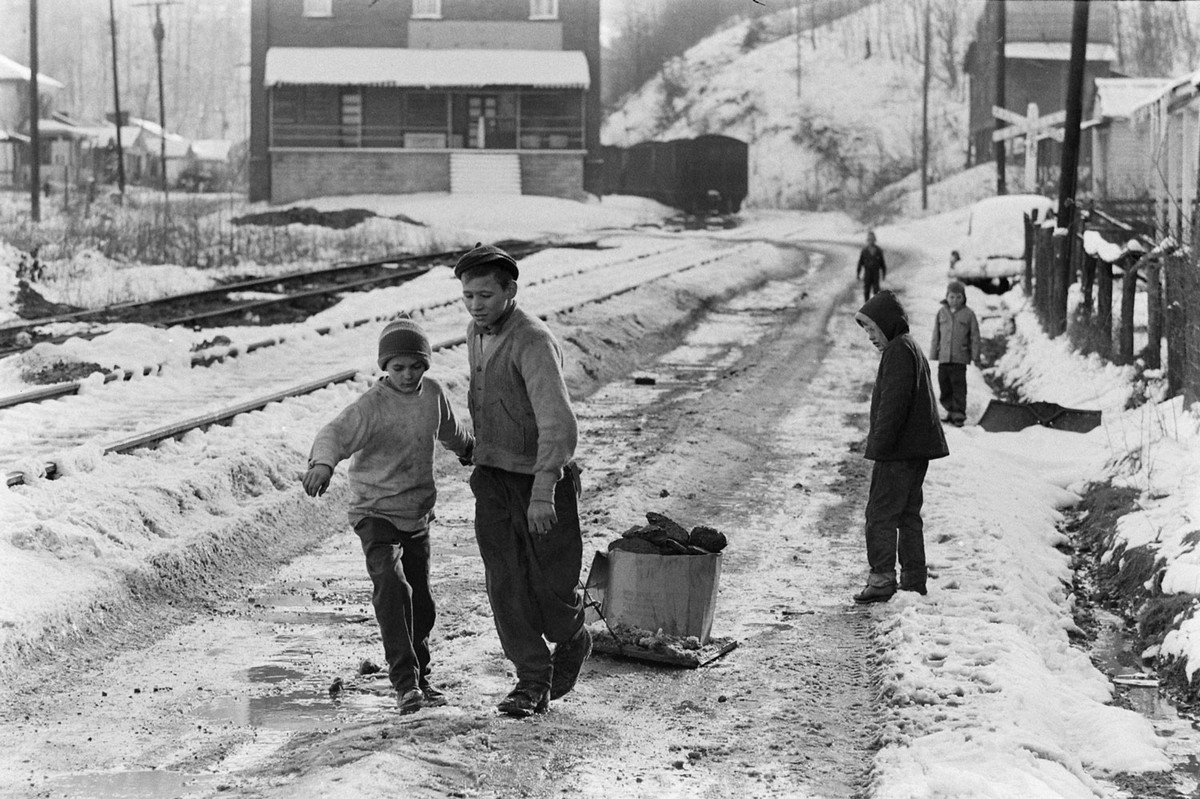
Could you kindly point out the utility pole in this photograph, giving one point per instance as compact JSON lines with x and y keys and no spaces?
{"x":35,"y":111}
{"x":1069,"y":169}
{"x":796,"y":26}
{"x":1001,"y":80}
{"x":159,"y":35}
{"x":925,"y":117}
{"x":112,"y":26}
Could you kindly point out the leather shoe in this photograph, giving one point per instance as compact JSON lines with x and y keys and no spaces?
{"x":431,"y":696}
{"x":568,"y":661}
{"x":410,"y":701}
{"x":875,"y":593}
{"x":525,"y":700}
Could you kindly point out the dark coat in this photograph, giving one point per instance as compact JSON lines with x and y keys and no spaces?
{"x":871,"y":263}
{"x":904,"y":414}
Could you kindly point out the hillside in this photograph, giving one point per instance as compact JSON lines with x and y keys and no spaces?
{"x":848,"y":125}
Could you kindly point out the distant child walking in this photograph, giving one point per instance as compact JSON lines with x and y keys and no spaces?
{"x":955,"y":344}
{"x":389,"y":434}
{"x":526,"y":484}
{"x":905,"y":434}
{"x":871,"y":267}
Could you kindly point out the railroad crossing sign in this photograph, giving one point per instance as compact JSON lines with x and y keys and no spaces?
{"x":1033,"y":128}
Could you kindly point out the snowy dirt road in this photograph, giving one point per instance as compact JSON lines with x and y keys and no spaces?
{"x":744,"y":428}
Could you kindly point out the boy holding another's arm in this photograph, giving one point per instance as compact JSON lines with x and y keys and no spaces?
{"x":525,"y":484}
{"x":389,"y":434}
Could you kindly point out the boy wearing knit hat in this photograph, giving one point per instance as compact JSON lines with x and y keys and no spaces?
{"x":388,"y":433}
{"x":904,"y":436}
{"x":525,"y":484}
{"x":955,"y":344}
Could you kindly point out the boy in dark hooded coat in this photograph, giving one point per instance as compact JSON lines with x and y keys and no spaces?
{"x":905,"y":435}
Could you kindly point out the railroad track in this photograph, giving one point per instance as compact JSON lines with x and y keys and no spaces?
{"x":298,"y":296}
{"x":591,"y":285}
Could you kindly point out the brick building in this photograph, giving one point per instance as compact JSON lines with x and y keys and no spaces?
{"x":360,"y":96}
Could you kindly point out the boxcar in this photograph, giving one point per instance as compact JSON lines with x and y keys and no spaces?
{"x":704,"y":175}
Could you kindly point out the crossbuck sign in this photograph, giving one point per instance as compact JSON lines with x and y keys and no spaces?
{"x":1034,"y":129}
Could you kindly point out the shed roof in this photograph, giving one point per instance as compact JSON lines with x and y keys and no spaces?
{"x":12,"y":70}
{"x":211,"y":149}
{"x":1057,"y":51}
{"x":386,"y":66}
{"x":1117,"y":97}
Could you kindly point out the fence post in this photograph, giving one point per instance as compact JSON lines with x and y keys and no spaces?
{"x":1191,"y":310}
{"x":1041,"y":274}
{"x":1175,"y":320}
{"x":1087,"y":281}
{"x":1104,"y":303}
{"x":1125,"y":331}
{"x":1154,"y":315}
{"x":1030,"y":248}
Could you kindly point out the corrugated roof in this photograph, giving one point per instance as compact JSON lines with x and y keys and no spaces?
{"x":1117,"y":97}
{"x":11,"y":70}
{"x":1057,"y":51}
{"x":384,"y":66}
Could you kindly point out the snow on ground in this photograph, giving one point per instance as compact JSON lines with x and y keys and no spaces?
{"x":983,"y":694}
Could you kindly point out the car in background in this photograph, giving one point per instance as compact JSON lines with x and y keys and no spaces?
{"x":992,"y":255}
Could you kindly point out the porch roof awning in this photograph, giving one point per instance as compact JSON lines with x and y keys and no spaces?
{"x":426,"y":68}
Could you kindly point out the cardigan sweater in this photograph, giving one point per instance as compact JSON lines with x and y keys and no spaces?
{"x":519,"y":405}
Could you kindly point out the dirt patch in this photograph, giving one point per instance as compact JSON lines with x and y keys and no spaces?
{"x":338,"y":220}
{"x":32,"y":305}
{"x":48,"y":374}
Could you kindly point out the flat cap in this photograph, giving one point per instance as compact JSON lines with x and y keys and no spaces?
{"x":485,"y":253}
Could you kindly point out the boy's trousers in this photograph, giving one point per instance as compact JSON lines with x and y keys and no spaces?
{"x":398,"y":563}
{"x":531,"y":580}
{"x":894,"y":525}
{"x":952,"y":386}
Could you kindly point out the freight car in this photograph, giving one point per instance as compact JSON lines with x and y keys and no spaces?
{"x":702,"y":176}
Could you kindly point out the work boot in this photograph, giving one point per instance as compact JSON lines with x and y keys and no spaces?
{"x":880,"y":588}
{"x":568,"y":661}
{"x":409,"y":701}
{"x":432,"y":696}
{"x":525,"y":700}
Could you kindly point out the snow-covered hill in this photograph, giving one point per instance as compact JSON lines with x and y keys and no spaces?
{"x":844,"y":127}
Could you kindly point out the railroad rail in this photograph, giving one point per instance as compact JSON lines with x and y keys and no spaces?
{"x":199,"y":308}
{"x":214,"y":355}
{"x":50,"y":470}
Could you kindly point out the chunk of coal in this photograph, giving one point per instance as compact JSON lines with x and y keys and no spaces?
{"x":639,"y":545}
{"x":672,"y":529}
{"x":707,"y":538}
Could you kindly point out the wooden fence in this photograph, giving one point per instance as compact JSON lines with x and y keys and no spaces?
{"x":1103,"y":322}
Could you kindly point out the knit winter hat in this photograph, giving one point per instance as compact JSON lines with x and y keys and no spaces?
{"x":956,"y":287}
{"x":482,"y":254}
{"x":403,"y":337}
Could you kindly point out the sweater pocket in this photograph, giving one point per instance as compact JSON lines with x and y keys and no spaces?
{"x":515,"y":431}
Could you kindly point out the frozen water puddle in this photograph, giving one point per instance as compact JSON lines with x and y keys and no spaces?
{"x":1113,"y":654}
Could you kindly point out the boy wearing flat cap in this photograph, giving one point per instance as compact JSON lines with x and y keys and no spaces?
{"x":390,"y":431}
{"x":525,"y":484}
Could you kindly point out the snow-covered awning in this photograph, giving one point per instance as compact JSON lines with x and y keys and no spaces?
{"x":426,"y":68}
{"x":1116,"y":98}
{"x":1057,"y":51}
{"x":11,"y":70}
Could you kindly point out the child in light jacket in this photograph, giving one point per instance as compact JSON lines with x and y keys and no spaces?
{"x":955,"y":344}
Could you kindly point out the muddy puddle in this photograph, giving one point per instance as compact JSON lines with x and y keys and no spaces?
{"x":1113,"y":653}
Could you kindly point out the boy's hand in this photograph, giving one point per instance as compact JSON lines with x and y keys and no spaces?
{"x":541,"y":516}
{"x":316,"y":480}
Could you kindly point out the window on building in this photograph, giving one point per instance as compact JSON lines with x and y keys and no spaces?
{"x":316,"y":8}
{"x":427,"y":9}
{"x":551,"y":120}
{"x":543,"y":9}
{"x":425,"y":111}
